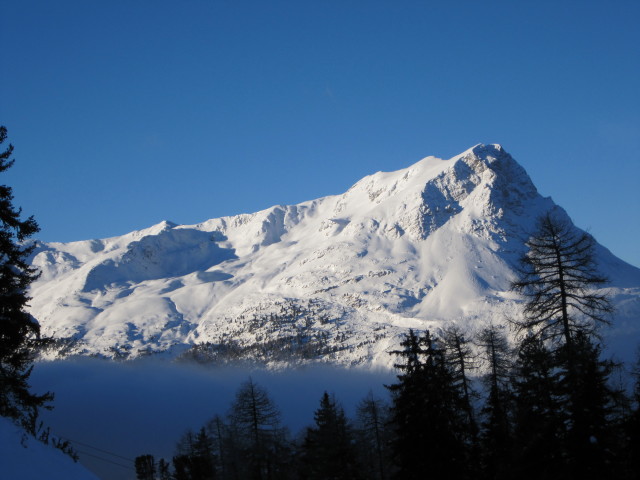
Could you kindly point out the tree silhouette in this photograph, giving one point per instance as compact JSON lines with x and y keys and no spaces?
{"x":429,"y":425}
{"x":373,"y":436}
{"x":255,"y":423}
{"x":592,"y":408}
{"x":145,"y":467}
{"x":539,"y":419}
{"x":19,"y":331}
{"x":328,"y":449}
{"x":195,"y":459}
{"x":631,"y":428}
{"x":461,"y":360}
{"x":557,"y":278}
{"x":496,"y":433}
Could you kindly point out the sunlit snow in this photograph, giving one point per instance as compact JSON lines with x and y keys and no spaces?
{"x":434,"y":243}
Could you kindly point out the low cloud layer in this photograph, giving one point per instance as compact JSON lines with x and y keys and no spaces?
{"x":144,"y":407}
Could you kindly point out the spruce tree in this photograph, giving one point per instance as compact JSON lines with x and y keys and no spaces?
{"x":429,"y":428}
{"x":408,"y":414}
{"x":539,"y":419}
{"x":592,"y":407}
{"x":19,"y":331}
{"x":328,"y":449}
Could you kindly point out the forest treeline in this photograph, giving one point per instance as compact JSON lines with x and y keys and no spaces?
{"x":519,"y":419}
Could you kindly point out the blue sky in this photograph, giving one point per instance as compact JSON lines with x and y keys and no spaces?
{"x":127,"y":113}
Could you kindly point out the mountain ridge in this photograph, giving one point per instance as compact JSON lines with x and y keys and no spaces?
{"x":433,"y":243}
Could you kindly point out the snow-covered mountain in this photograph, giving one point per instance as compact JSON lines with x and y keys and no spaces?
{"x":339,"y":279}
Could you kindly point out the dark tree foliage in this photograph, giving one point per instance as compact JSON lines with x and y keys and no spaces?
{"x":195,"y":459}
{"x":203,"y":456}
{"x":145,"y":467}
{"x":373,"y":436}
{"x":461,"y":361}
{"x":164,"y":472}
{"x":630,"y":457}
{"x":409,"y":418}
{"x":496,"y":434}
{"x":539,"y":419}
{"x":592,"y":414}
{"x":252,"y":444}
{"x":429,"y":426}
{"x":19,"y":331}
{"x":566,"y":429}
{"x":535,"y":427}
{"x":328,"y":449}
{"x":223,"y":447}
{"x":557,"y":278}
{"x":182,"y":468}
{"x":259,"y":435}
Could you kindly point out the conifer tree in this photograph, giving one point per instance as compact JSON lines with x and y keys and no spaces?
{"x":194,"y":459}
{"x":373,"y":435}
{"x":539,"y":418}
{"x":408,"y":414}
{"x":19,"y":331}
{"x":182,"y":467}
{"x":496,"y":425}
{"x":428,"y":433}
{"x":223,"y":448}
{"x":631,"y":458}
{"x":203,"y":458}
{"x":328,"y":449}
{"x":557,"y":278}
{"x":460,"y":360}
{"x":145,"y":467}
{"x":163,"y":470}
{"x":591,"y":404}
{"x":255,"y":421}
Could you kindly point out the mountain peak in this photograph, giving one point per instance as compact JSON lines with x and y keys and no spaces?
{"x":483,"y":150}
{"x":482,"y":183}
{"x":335,"y":279}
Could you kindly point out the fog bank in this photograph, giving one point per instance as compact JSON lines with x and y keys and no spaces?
{"x":142,"y":407}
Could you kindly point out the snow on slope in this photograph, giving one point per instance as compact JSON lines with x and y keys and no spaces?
{"x":23,"y":457}
{"x":341,"y":277}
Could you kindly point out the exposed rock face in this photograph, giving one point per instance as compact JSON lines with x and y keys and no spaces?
{"x":337,"y":279}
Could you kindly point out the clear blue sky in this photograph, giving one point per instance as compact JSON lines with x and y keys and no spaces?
{"x":125,"y":113}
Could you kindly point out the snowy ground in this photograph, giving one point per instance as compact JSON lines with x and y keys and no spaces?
{"x":24,"y":458}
